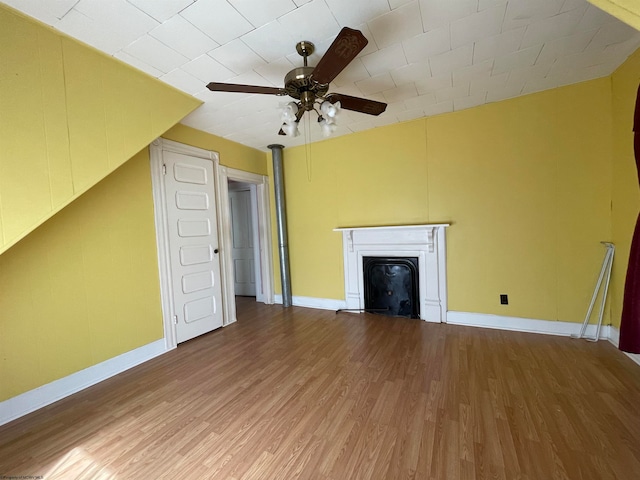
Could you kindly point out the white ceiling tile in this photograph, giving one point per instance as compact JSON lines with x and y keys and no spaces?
{"x":156,"y":54}
{"x":252,"y":78}
{"x":421,"y":47}
{"x":504,"y":92}
{"x":208,"y":70}
{"x":183,"y":81}
{"x":137,"y":63}
{"x":550,"y":28}
{"x":611,"y":33}
{"x":237,"y":57}
{"x":421,"y":101}
{"x":452,"y":92}
{"x":438,"y":13}
{"x":554,"y":49}
{"x":523,"y":12}
{"x":355,"y":12}
{"x":462,"y":103}
{"x":161,"y":10}
{"x":439,"y":108}
{"x":579,"y":61}
{"x":479,"y":70}
{"x":430,"y":85}
{"x":46,"y":11}
{"x":321,"y":47}
{"x":376,"y":84}
{"x":484,"y":24}
{"x":411,"y":73}
{"x":498,"y":45}
{"x":484,"y":4}
{"x":480,"y":85}
{"x":261,"y":12}
{"x":571,"y":4}
{"x":385,"y":59}
{"x":398,"y":3}
{"x":623,"y":50}
{"x":123,"y":19}
{"x":519,"y":59}
{"x":594,"y":18}
{"x":275,"y":71}
{"x":409,"y":115}
{"x":271,"y":41}
{"x":398,"y":25}
{"x":371,"y":46}
{"x":396,"y":107}
{"x":323,"y":26}
{"x":183,"y":37}
{"x":217,"y":19}
{"x":92,"y":32}
{"x":398,"y":94}
{"x":446,"y":62}
{"x":518,"y":77}
{"x":354,"y":72}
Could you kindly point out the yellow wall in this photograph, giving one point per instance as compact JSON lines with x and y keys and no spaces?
{"x":232,"y":154}
{"x":69,"y":116}
{"x":626,"y":10}
{"x":626,"y":194}
{"x":83,"y":287}
{"x":525,"y":183}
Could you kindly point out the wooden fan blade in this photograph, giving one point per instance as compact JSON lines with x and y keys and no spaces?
{"x":346,"y":46}
{"x":238,"y":88}
{"x":357,"y":104}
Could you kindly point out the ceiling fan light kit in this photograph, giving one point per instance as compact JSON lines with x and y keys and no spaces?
{"x":309,"y":85}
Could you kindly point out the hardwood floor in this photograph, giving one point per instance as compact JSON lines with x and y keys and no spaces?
{"x":309,"y":394}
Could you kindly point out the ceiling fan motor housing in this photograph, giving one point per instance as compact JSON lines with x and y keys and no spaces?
{"x":299,"y":85}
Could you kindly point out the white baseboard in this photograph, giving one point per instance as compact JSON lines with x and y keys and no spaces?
{"x":517,"y":324}
{"x":32,"y":400}
{"x":614,"y":337}
{"x":313,"y":302}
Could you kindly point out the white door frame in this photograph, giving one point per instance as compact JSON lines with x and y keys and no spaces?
{"x":222,"y":176}
{"x":261,"y":183}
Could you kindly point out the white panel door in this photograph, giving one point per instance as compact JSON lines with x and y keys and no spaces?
{"x":242,"y":243}
{"x":193,"y":245}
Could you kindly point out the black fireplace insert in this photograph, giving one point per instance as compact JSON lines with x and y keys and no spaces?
{"x":391,"y":286}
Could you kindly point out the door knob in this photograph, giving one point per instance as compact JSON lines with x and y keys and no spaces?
{"x":215,"y":251}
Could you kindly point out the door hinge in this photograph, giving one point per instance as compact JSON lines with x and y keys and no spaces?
{"x":175,"y":319}
{"x":164,"y":168}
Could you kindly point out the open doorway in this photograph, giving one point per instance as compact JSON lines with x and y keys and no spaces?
{"x":245,"y":222}
{"x":245,"y":252}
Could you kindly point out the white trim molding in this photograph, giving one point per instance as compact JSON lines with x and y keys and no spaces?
{"x":614,"y":338}
{"x":517,"y":324}
{"x":32,"y":400}
{"x":313,"y":302}
{"x":425,"y":242}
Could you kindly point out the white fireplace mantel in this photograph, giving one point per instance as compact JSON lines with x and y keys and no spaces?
{"x":426,"y":242}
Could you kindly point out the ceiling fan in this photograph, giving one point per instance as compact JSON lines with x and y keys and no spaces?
{"x":309,"y":85}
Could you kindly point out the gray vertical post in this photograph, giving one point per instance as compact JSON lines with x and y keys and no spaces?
{"x":281,"y":221}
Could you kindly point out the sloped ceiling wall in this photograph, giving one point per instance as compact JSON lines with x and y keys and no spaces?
{"x":69,"y":116}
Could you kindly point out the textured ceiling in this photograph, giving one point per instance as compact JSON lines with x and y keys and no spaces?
{"x":423,"y":58}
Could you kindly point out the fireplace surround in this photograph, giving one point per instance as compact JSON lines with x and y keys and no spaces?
{"x":426,"y":242}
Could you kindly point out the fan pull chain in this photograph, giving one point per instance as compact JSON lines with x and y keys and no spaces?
{"x":307,"y":138}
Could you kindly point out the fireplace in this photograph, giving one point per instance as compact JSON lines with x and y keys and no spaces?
{"x":425,"y":243}
{"x":391,"y":286}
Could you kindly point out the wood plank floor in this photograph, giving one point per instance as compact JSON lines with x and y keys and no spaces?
{"x":301,"y":393}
